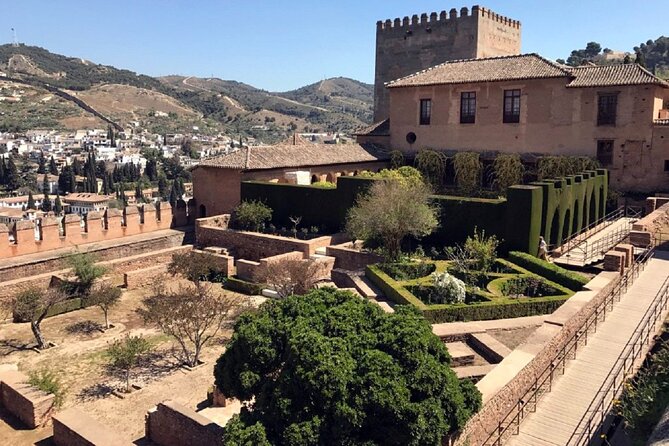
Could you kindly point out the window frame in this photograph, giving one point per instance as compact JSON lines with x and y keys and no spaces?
{"x":468,"y":107}
{"x":425,"y":111}
{"x":609,"y":118}
{"x":512,"y":102}
{"x":604,"y":157}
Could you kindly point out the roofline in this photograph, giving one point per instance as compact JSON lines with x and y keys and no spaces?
{"x":658,"y":80}
{"x":515,"y":56}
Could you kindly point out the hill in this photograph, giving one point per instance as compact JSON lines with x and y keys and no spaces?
{"x":335,"y":105}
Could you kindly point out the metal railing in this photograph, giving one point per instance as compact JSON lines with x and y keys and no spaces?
{"x":625,"y":367}
{"x":589,"y":251}
{"x":544,"y":381}
{"x":582,"y":235}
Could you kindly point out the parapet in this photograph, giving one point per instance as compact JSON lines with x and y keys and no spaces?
{"x":443,"y":18}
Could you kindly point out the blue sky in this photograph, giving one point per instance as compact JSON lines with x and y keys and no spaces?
{"x":281,"y":45}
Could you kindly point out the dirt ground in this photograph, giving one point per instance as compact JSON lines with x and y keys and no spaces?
{"x":80,"y":360}
{"x":512,"y":338}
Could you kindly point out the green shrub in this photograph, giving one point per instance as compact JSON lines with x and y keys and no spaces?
{"x":47,"y":381}
{"x":498,"y":308}
{"x":251,"y":215}
{"x":391,"y":289}
{"x":242,"y":286}
{"x":550,"y":271}
{"x":408,"y":271}
{"x":324,"y":185}
{"x":528,"y":287}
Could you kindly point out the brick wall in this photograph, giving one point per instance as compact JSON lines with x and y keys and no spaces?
{"x":27,"y":266}
{"x":141,"y":278}
{"x":29,"y":404}
{"x":351,"y":259}
{"x":171,"y":424}
{"x":44,"y":234}
{"x":255,"y":246}
{"x":75,"y":428}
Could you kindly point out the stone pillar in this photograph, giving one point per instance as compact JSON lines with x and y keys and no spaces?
{"x":628,"y":250}
{"x":164,"y":214}
{"x":24,"y":234}
{"x":50,"y":233}
{"x":614,"y":261}
{"x":72,"y":225}
{"x":114,"y":227}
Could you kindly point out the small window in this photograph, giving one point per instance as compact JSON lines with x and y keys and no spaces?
{"x":666,"y":165}
{"x":605,"y":152}
{"x":511,"y":106}
{"x":607,"y":105}
{"x":425,"y":111}
{"x":468,"y":107}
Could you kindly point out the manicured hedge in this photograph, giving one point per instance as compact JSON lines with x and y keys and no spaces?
{"x":408,"y":271}
{"x":497,"y":309}
{"x":241,"y":286}
{"x":391,"y":289}
{"x":550,"y":271}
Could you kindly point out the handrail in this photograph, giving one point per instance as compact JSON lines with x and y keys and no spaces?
{"x":621,"y":366}
{"x":590,"y":250}
{"x":573,"y":240}
{"x":532,"y":395}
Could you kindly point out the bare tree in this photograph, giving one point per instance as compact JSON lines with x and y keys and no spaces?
{"x":292,"y":276}
{"x":192,"y":314}
{"x":33,"y":305}
{"x":105,"y":296}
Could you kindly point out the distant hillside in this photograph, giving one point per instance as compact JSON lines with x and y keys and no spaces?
{"x":337,"y":104}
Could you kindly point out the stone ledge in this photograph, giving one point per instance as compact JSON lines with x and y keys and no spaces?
{"x":75,"y":428}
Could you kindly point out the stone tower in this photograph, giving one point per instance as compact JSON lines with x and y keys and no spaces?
{"x":407,"y":46}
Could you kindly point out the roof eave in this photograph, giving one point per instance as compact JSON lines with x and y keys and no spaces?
{"x":435,"y":84}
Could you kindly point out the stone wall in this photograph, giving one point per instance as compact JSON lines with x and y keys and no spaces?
{"x":26,"y":266}
{"x":348,"y":258}
{"x":29,"y":404}
{"x":171,"y":424}
{"x":652,"y":222}
{"x":143,"y":277}
{"x":255,"y":246}
{"x":49,"y":233}
{"x":75,"y":428}
{"x":553,"y":336}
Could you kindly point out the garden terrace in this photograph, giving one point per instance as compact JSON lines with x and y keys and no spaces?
{"x":509,"y":291}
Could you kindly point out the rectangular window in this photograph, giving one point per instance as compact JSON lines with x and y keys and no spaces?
{"x":425,"y":111}
{"x":511,"y":106}
{"x":666,"y":165}
{"x":607,"y":105}
{"x":468,"y":107}
{"x":605,"y":152}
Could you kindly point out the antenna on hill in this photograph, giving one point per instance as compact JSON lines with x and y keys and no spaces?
{"x":15,"y":41}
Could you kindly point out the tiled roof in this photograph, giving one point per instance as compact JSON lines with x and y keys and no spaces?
{"x":377,"y":129}
{"x":613,"y":75}
{"x":288,"y":155}
{"x":86,"y":197}
{"x":505,"y":68}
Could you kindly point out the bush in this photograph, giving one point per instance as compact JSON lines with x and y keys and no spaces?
{"x":251,"y":215}
{"x":447,"y":289}
{"x":47,"y":381}
{"x":527,"y":287}
{"x":324,"y":185}
{"x":241,"y":286}
{"x":408,"y":271}
{"x":550,"y":271}
{"x":86,"y":271}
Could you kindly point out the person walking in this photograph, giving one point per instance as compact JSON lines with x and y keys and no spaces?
{"x":543,"y":249}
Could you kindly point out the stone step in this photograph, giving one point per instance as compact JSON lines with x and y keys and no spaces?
{"x":489,"y":347}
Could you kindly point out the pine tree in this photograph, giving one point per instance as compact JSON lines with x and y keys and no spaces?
{"x":46,"y":202}
{"x":58,"y":206}
{"x":640,"y":59}
{"x":53,"y":169}
{"x":31,"y":201}
{"x":42,"y":164}
{"x":12,"y":178}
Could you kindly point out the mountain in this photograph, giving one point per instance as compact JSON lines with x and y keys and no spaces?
{"x":335,"y":105}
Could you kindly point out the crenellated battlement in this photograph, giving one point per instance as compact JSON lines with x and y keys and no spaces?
{"x":443,"y":18}
{"x":50,"y":233}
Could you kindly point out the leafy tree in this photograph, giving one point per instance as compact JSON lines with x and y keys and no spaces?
{"x":578,"y":57}
{"x":105,"y":296}
{"x":31,"y":201}
{"x":467,"y":171}
{"x":125,"y":355}
{"x":86,"y":272}
{"x":251,"y":215}
{"x":640,"y":59}
{"x":151,"y":170}
{"x":291,"y":276}
{"x":389,"y":213}
{"x":407,"y":175}
{"x":53,"y":169}
{"x":432,"y":165}
{"x":66,"y":180}
{"x":331,"y":368}
{"x":192,"y":315}
{"x":33,"y":305}
{"x":397,"y":159}
{"x":509,"y":171}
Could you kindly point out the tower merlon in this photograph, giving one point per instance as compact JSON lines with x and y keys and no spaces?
{"x":444,"y":17}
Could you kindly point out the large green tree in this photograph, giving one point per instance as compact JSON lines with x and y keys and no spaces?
{"x":331,"y":368}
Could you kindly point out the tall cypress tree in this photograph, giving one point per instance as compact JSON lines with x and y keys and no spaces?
{"x":42,"y":164}
{"x":2,"y":171}
{"x":138,"y":193}
{"x":53,"y":169}
{"x":31,"y":201}
{"x":76,"y":165}
{"x":45,"y":184}
{"x":163,"y":190}
{"x":46,"y":202}
{"x":12,"y":178}
{"x":58,"y":206}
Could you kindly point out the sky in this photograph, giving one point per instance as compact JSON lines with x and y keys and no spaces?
{"x":280,"y":45}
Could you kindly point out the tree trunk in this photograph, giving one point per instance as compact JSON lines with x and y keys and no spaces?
{"x":41,"y":342}
{"x":106,"y":320}
{"x":127,"y":380}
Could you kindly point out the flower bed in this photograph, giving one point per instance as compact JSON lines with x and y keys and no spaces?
{"x":487,"y":295}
